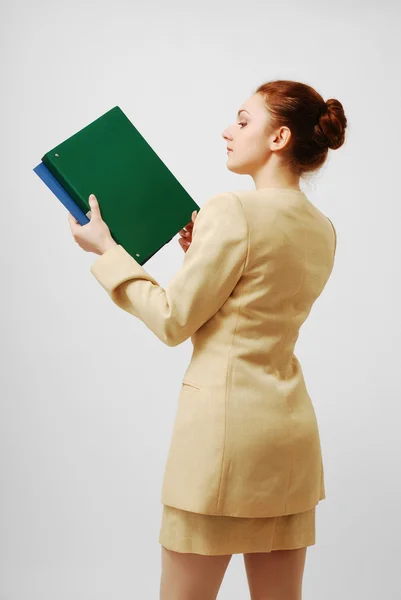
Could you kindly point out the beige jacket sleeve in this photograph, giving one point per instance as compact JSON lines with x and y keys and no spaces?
{"x":213,"y":264}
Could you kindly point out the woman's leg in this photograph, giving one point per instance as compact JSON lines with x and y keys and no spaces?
{"x":187,"y":576}
{"x":275,"y":575}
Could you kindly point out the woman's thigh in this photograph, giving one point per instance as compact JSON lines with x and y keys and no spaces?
{"x":188,"y":576}
{"x":277,"y":574}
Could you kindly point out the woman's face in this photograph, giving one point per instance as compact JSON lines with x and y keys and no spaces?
{"x":248,"y":137}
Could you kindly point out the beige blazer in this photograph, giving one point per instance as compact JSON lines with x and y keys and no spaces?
{"x":245,"y":439}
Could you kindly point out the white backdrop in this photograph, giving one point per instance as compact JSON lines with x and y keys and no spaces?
{"x":88,"y":393}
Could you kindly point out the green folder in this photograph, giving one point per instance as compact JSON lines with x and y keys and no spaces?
{"x":142,"y":202}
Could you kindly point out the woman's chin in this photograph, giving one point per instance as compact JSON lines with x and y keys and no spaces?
{"x":230,"y":164}
{"x":234,"y":168}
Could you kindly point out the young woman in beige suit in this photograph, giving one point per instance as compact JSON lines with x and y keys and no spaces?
{"x":244,"y":471}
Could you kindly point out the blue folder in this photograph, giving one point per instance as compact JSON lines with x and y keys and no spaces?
{"x":43,"y":172}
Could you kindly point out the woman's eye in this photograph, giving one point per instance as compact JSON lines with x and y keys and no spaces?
{"x":243,"y":124}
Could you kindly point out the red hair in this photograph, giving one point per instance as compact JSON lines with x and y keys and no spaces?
{"x":315,"y":125}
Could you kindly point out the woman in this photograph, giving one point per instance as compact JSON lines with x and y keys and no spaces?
{"x":244,"y":471}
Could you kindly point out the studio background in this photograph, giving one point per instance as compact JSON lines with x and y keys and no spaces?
{"x":88,"y":393}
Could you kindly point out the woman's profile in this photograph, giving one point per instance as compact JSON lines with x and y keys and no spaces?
{"x":244,"y":471}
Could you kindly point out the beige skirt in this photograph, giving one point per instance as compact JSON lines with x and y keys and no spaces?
{"x":184,"y":531}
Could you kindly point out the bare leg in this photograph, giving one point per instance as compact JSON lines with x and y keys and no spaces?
{"x":187,"y":576}
{"x":275,"y":575}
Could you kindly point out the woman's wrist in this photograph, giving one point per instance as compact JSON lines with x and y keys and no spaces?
{"x":110,"y":244}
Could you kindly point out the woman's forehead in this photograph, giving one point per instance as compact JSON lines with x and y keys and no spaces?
{"x":252,"y":105}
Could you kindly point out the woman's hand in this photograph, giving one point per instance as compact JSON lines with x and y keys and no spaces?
{"x":186,"y":233}
{"x":95,"y":236}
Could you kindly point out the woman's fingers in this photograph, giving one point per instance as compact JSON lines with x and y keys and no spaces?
{"x":186,"y":233}
{"x":187,"y":230}
{"x":184,"y":244}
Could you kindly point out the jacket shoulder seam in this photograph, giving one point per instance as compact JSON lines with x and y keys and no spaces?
{"x":248,"y":231}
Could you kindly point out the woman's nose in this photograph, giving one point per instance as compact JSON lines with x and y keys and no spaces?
{"x":226,"y":135}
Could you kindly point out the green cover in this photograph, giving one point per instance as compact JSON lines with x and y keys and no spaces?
{"x":142,"y":202}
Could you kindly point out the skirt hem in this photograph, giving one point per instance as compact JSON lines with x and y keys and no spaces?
{"x":188,"y":532}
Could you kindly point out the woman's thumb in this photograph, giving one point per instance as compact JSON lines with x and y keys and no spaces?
{"x":94,"y":204}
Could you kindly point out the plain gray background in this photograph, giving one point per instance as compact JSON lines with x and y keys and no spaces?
{"x":88,"y":393}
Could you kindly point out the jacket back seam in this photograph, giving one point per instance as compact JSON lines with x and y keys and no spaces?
{"x":228,"y":371}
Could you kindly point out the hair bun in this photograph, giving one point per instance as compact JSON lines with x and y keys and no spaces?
{"x":333,"y":122}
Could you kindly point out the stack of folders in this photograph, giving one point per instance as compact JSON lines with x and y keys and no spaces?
{"x":141,"y":201}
